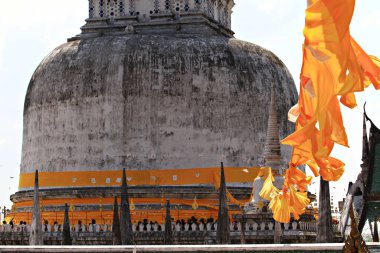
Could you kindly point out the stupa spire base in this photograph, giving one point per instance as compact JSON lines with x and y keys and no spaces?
{"x":272,"y":150}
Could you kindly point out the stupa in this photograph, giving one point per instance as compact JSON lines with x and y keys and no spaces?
{"x":161,"y":88}
{"x":272,"y":160}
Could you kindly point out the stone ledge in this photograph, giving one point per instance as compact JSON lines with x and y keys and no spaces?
{"x":328,"y":247}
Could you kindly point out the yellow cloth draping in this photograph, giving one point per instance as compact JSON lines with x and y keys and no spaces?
{"x":75,"y":202}
{"x":230,"y":198}
{"x":283,"y":203}
{"x":180,"y":177}
{"x":105,"y":217}
{"x":333,"y":65}
{"x":91,"y":178}
{"x":79,"y":211}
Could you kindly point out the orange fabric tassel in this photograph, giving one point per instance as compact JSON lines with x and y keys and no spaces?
{"x":333,"y":65}
{"x":283,"y":203}
{"x":280,"y":208}
{"x":268,"y":189}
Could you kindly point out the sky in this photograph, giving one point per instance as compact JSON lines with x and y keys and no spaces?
{"x":31,"y":29}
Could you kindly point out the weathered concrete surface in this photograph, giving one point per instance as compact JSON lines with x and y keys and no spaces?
{"x":152,"y":102}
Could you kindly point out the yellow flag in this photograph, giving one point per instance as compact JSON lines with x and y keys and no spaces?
{"x":195,"y":204}
{"x":260,"y":204}
{"x":132,"y":206}
{"x":334,"y":65}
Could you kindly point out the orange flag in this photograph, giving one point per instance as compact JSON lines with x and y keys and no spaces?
{"x":333,"y":65}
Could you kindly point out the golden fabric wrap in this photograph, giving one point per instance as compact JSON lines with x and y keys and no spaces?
{"x":333,"y":65}
{"x":230,"y":197}
{"x":88,"y":208}
{"x":283,"y":203}
{"x":196,"y":176}
{"x":105,"y":216}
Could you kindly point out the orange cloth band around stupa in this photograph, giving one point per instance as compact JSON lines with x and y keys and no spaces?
{"x":195,"y":176}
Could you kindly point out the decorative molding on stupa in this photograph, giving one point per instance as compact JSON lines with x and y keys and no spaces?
{"x":272,"y":150}
{"x":158,"y":17}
